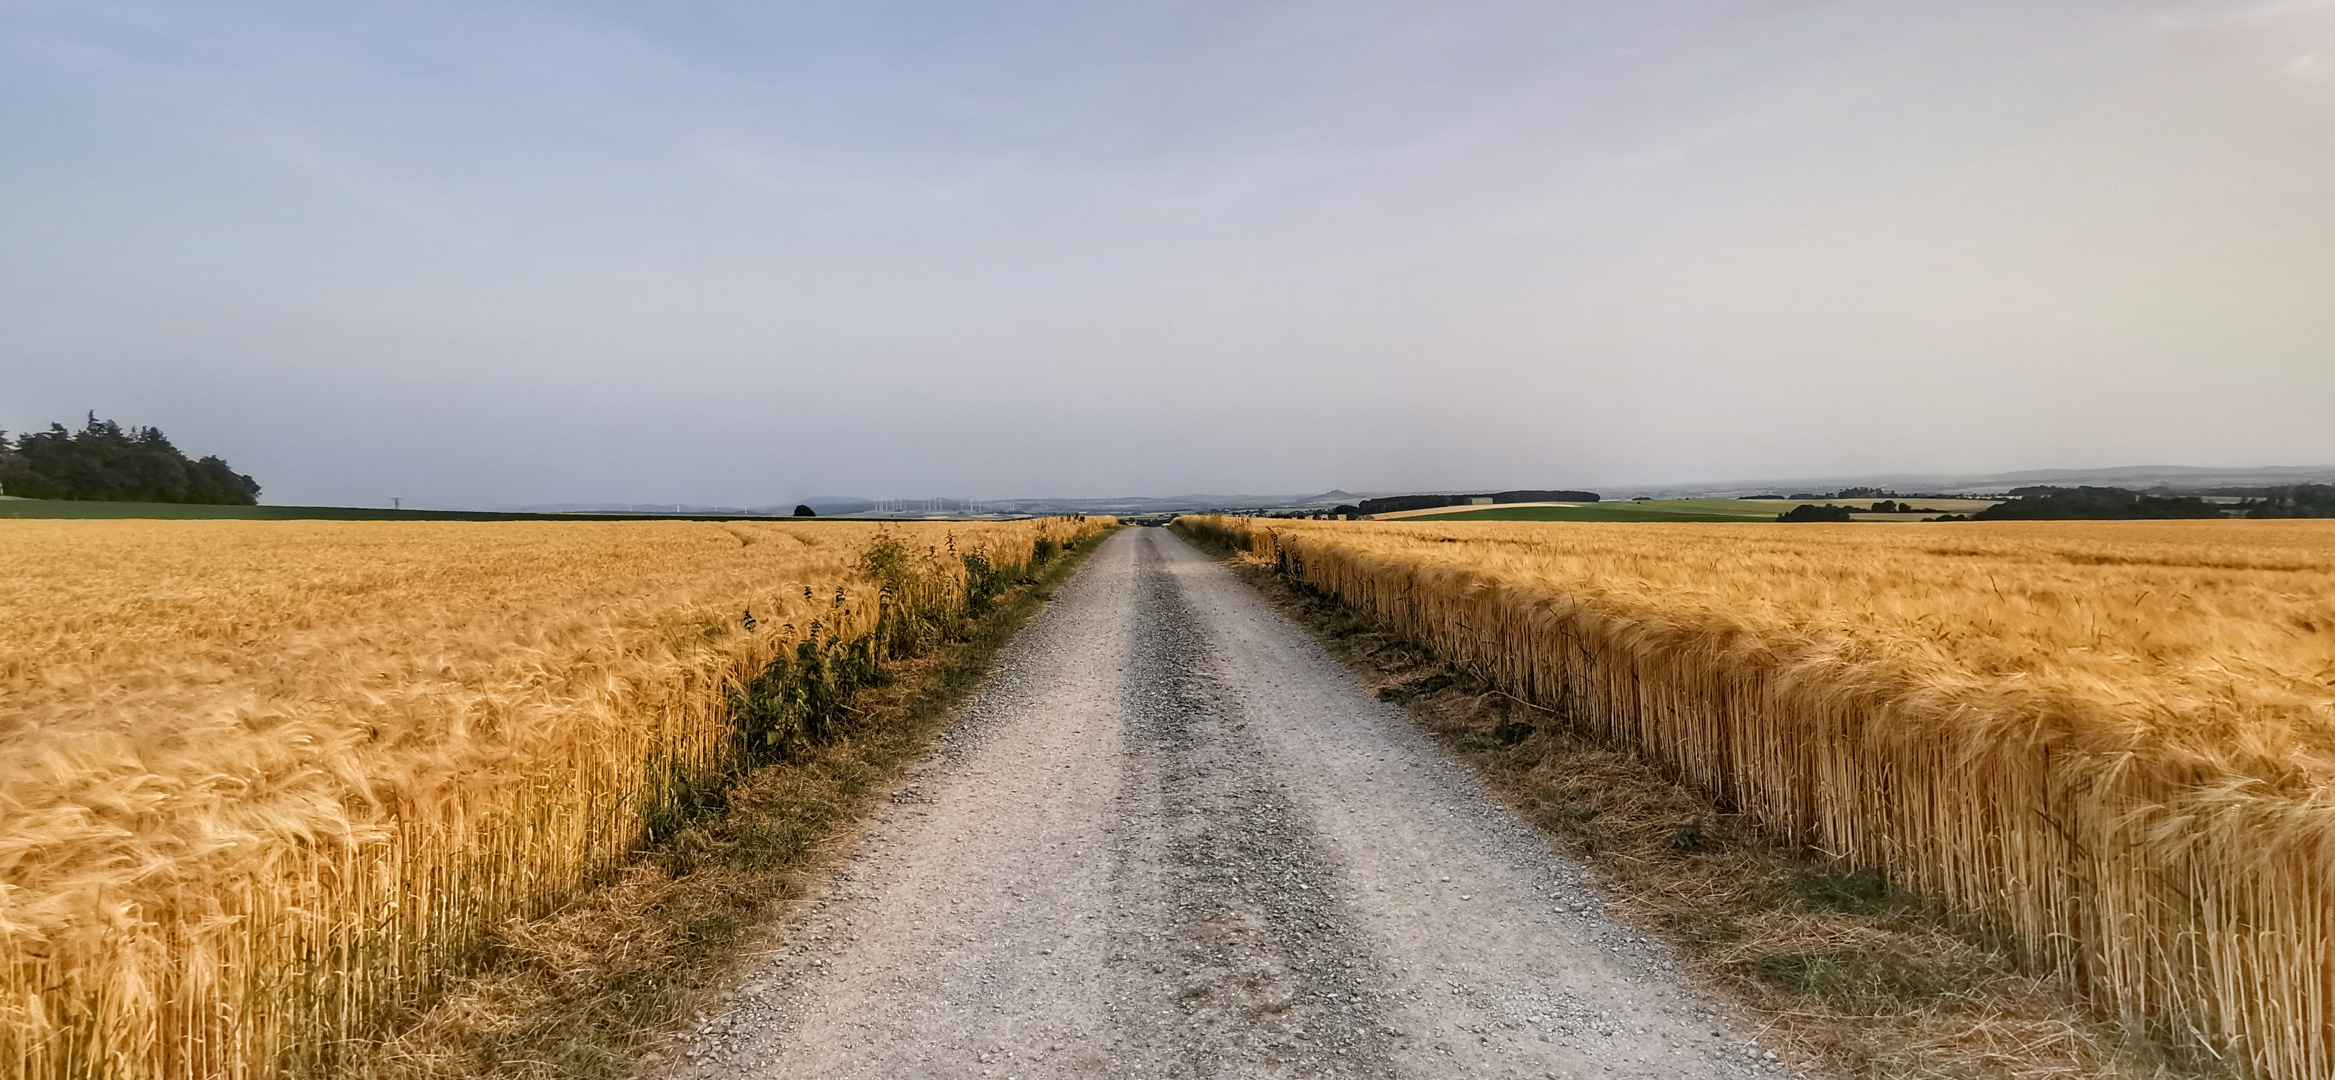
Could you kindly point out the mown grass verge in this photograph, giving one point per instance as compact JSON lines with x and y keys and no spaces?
{"x":596,"y":990}
{"x":1839,"y":970}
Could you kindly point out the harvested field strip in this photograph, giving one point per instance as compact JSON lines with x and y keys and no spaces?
{"x":2114,"y":739}
{"x":268,"y":785}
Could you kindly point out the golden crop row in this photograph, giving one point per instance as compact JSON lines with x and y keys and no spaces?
{"x":2118,"y":739}
{"x":263,"y":785}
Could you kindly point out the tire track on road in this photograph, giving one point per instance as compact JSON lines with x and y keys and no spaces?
{"x":1173,"y":838}
{"x":1231,"y":904}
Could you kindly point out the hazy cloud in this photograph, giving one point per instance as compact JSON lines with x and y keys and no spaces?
{"x":503,"y":253}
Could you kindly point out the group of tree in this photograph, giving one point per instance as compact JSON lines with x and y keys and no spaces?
{"x":1815,"y":512}
{"x":2297,"y":501}
{"x":1832,"y":512}
{"x":2047,"y":503}
{"x":107,"y":462}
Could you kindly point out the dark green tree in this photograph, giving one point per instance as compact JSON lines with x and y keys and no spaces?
{"x":2094,"y":504}
{"x":2300,"y":500}
{"x":107,"y":462}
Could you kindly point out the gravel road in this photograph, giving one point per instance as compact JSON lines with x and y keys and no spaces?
{"x":1173,"y":838}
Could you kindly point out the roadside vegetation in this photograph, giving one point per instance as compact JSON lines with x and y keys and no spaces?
{"x":2105,"y":748}
{"x":298,"y":797}
{"x":611,"y":984}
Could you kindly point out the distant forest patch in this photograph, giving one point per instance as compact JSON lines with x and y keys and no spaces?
{"x":1817,"y":512}
{"x":2094,"y":504}
{"x":2298,"y":501}
{"x":106,"y":462}
{"x":2111,"y":504}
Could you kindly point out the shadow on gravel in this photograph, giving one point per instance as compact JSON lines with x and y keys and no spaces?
{"x":1267,"y":980}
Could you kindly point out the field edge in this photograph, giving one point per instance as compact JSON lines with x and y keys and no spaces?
{"x":1917,"y":991}
{"x":601,"y":988}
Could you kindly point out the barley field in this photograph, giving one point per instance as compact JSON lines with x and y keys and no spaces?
{"x":265,"y":785}
{"x":2114,"y":739}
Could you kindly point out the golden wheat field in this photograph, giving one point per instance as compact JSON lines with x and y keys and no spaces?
{"x":2115,"y":739}
{"x":263,"y":784}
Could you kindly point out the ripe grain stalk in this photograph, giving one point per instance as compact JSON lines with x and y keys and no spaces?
{"x":2113,"y":740}
{"x":273,"y":787}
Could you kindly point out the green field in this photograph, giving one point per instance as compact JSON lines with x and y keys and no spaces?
{"x":1691,"y":510}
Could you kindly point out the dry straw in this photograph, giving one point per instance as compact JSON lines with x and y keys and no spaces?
{"x":266,"y":786}
{"x":2117,"y":739}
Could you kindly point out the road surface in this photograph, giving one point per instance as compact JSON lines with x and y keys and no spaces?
{"x":1174,"y":838}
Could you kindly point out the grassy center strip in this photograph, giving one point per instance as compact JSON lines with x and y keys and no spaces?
{"x":1840,"y":971}
{"x":601,"y":987}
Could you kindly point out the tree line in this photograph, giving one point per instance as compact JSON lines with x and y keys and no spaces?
{"x":2047,"y":503}
{"x":2292,"y":501}
{"x":107,"y":462}
{"x":2094,"y":504}
{"x":2107,"y":503}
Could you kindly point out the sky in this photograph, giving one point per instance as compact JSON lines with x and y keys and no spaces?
{"x":494,"y":254}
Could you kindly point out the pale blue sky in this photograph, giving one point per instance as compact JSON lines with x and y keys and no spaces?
{"x":493,"y":254}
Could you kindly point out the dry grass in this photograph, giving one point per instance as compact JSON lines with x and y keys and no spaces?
{"x":2109,"y":740}
{"x":270,"y":785}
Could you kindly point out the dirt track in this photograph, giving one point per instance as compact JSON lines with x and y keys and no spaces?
{"x":1173,"y":838}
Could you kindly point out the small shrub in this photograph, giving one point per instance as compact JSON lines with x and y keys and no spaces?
{"x":984,"y":580}
{"x":1418,"y":688}
{"x":1577,"y":820}
{"x":1689,"y":836}
{"x":1848,"y":978}
{"x":1862,"y":891}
